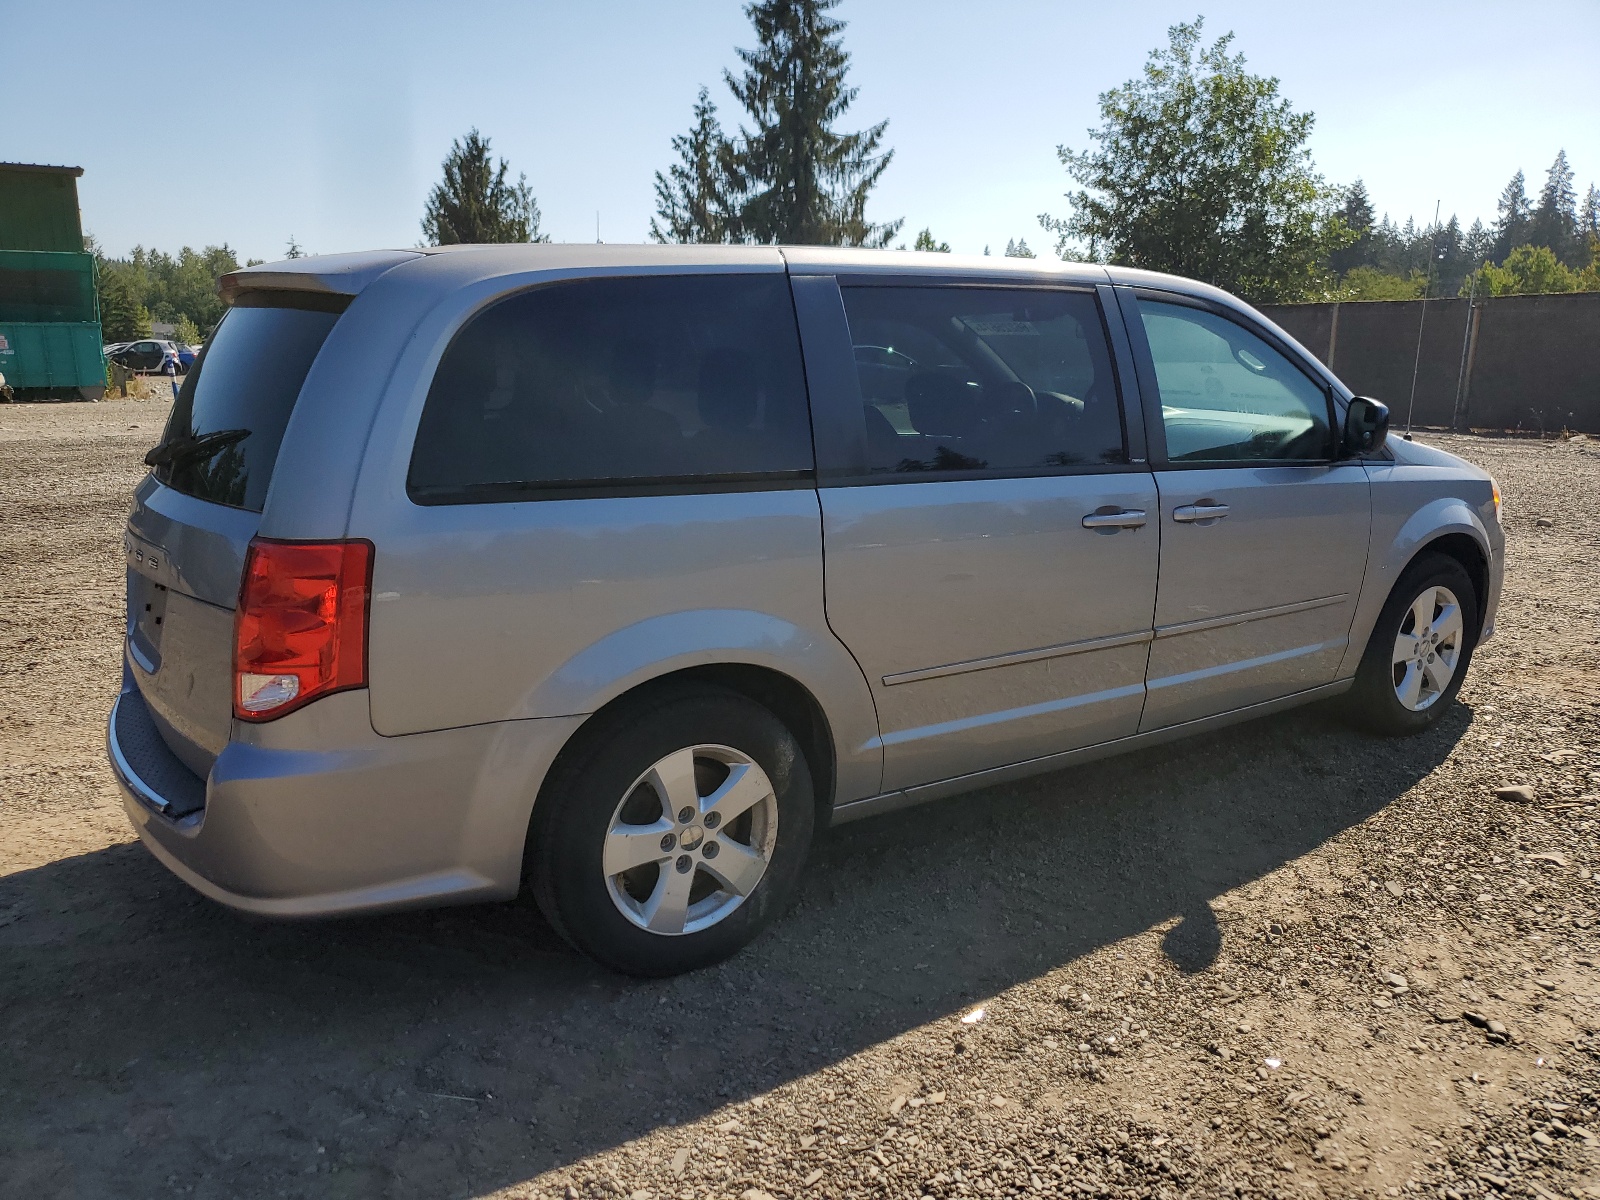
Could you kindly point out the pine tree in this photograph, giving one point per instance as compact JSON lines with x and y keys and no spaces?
{"x":694,"y":198}
{"x":1479,"y":244}
{"x":1511,"y":229}
{"x":122,"y":317}
{"x":1457,"y":256}
{"x":294,"y":250}
{"x":1554,"y":220}
{"x":800,"y":180}
{"x":926,"y":241}
{"x":1589,"y":214}
{"x":1019,"y":249}
{"x":475,"y":202}
{"x":1356,"y":213}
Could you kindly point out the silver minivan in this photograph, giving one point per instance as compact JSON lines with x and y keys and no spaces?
{"x":615,"y":573}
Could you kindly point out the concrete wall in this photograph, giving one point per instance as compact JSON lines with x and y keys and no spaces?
{"x":1531,"y":362}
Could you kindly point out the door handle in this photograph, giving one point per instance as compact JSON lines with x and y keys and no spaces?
{"x":1127,"y":518}
{"x":1200,"y":512}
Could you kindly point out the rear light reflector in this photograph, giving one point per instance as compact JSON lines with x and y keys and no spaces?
{"x":300,"y":631}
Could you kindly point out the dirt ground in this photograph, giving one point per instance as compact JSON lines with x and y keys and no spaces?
{"x":1288,"y":960}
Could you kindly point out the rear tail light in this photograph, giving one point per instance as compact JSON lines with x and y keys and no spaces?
{"x":301,"y":628}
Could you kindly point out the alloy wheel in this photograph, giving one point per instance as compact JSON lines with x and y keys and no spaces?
{"x":690,"y":839}
{"x":1427,"y":649}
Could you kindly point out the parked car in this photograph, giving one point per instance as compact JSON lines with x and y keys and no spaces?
{"x":613,"y":573}
{"x":186,"y":356}
{"x":150,"y":355}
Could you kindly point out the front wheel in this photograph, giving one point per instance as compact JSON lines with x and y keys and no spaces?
{"x":1417,"y":658}
{"x":674,"y":833}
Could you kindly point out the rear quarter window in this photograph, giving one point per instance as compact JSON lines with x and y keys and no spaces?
{"x":690,"y":382}
{"x":221,"y":442}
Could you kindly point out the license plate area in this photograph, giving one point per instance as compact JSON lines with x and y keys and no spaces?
{"x":147,"y":601}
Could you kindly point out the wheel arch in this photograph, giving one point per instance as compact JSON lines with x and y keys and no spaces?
{"x":1446,"y":525}
{"x":780,"y":694}
{"x":1474,"y":561}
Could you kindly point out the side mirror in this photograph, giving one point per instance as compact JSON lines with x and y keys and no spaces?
{"x":1366,"y":427}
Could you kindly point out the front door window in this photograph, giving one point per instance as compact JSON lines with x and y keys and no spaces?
{"x":1227,"y":396}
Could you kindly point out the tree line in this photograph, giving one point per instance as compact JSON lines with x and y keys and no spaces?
{"x":150,"y":285}
{"x":1544,"y":245}
{"x":1198,"y":167}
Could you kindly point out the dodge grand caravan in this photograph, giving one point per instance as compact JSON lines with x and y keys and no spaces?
{"x":615,"y":573}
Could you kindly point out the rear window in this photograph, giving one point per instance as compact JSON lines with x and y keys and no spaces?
{"x":222,"y":439}
{"x":686,"y":383}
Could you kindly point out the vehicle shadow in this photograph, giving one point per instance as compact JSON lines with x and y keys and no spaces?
{"x":158,"y":1041}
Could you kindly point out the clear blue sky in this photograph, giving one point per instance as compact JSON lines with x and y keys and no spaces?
{"x":246,"y":123}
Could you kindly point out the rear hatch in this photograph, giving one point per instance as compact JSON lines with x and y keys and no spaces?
{"x":194,"y":516}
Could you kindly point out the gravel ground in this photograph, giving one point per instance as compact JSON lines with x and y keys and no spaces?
{"x":1288,"y":960}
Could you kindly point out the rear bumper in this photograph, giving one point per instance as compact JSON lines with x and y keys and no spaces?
{"x":317,"y":815}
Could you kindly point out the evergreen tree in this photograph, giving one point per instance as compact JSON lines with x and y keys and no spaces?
{"x":1356,"y":213}
{"x":1385,"y":245}
{"x":1019,"y":249}
{"x":294,"y":250}
{"x":1451,"y":263}
{"x":800,"y":180}
{"x":926,"y":241}
{"x":1554,"y":220}
{"x":1511,"y":228}
{"x":1478,"y":245}
{"x":694,"y":198}
{"x":123,"y":318}
{"x":476,"y":203}
{"x":1201,"y":169}
{"x":1589,"y":214}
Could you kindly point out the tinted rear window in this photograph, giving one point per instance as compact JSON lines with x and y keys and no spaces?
{"x":228,"y":421}
{"x":685,"y":382}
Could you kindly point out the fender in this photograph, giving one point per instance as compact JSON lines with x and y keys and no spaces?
{"x":662,"y":645}
{"x":1393,"y":548}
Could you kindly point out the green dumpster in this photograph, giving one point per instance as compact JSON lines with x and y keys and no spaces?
{"x":50,"y":322}
{"x":49,"y":307}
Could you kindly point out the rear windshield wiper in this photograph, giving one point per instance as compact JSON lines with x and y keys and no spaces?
{"x":188,"y":446}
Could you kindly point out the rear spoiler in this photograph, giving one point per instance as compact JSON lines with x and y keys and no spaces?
{"x":331,"y":274}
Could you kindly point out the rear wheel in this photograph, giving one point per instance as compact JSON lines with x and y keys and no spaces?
{"x":675,"y":831}
{"x":1417,"y":658}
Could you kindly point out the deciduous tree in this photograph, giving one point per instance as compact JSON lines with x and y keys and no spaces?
{"x":1528,"y":270}
{"x":1201,"y":168}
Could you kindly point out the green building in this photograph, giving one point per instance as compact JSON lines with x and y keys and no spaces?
{"x":49,"y":308}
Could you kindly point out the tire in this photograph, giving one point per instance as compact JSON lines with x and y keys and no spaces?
{"x":689,"y":892}
{"x":1400,"y":687}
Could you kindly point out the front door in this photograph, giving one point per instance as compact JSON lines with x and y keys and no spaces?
{"x":993,"y":567}
{"x":1263,"y":533}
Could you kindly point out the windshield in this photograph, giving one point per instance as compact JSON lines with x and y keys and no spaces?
{"x":222,"y":439}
